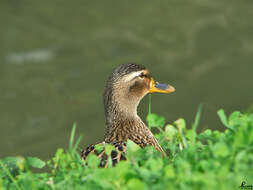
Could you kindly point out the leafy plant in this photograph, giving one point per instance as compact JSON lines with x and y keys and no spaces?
{"x":208,"y":160}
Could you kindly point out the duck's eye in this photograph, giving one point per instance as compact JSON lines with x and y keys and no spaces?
{"x":142,"y":75}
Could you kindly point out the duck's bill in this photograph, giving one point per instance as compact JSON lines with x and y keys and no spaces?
{"x":160,"y":88}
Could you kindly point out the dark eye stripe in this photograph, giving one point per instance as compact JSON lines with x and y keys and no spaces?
{"x":142,"y":75}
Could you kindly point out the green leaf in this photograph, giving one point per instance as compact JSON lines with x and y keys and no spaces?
{"x":169,"y":171}
{"x":242,"y":154}
{"x":77,"y":143}
{"x":72,"y":136}
{"x":15,"y":163}
{"x":181,"y":124}
{"x":154,"y":120}
{"x":132,"y":150}
{"x":35,"y":162}
{"x":155,"y":165}
{"x":223,"y":118}
{"x":191,"y":135}
{"x":109,"y":148}
{"x":204,"y":164}
{"x":9,"y":174}
{"x":234,"y":115}
{"x":220,"y":149}
{"x":132,"y":147}
{"x":99,"y":147}
{"x":205,"y":135}
{"x":197,"y":118}
{"x":122,"y":168}
{"x":170,"y":132}
{"x":135,"y":184}
{"x":93,"y":161}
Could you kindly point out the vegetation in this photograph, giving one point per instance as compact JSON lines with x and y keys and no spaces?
{"x":208,"y":160}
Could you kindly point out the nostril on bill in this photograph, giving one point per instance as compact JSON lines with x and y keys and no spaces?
{"x":162,"y":86}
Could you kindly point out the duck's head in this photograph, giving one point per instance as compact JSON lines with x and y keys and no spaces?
{"x":125,"y":87}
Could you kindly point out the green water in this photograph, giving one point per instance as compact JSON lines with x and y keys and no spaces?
{"x":56,"y":55}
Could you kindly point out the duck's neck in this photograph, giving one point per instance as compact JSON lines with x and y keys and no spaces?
{"x":123,"y":123}
{"x":121,"y":118}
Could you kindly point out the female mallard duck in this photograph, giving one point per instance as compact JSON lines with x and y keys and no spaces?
{"x":125,"y":88}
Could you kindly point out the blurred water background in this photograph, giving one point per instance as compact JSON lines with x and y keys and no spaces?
{"x":55,"y":57}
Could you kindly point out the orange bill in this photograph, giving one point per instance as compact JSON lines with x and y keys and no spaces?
{"x":161,"y":88}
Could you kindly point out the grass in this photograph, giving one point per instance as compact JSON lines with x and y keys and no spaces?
{"x":208,"y":160}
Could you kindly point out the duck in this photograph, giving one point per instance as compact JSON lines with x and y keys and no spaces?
{"x":125,"y":88}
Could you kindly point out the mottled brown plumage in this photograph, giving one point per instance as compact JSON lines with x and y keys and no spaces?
{"x":124,"y":89}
